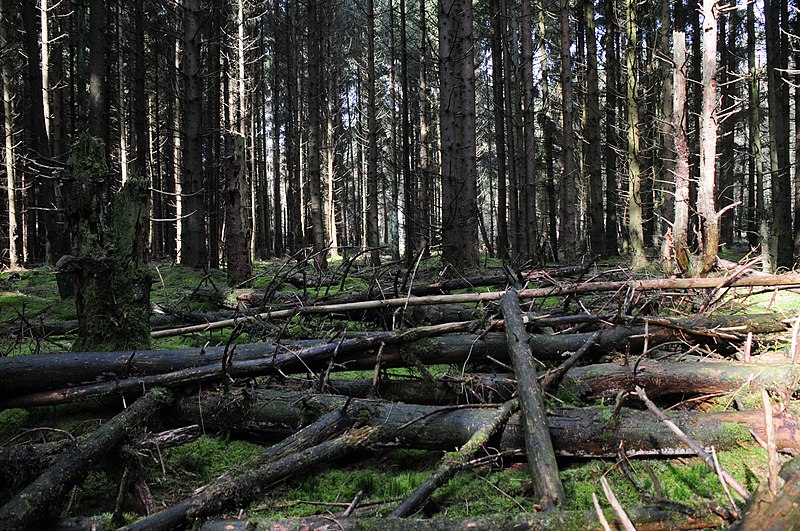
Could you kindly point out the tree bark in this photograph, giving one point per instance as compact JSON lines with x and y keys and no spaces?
{"x":539,"y":449}
{"x":498,"y":105}
{"x":457,"y":110}
{"x":568,"y":239}
{"x":780,"y":511}
{"x":610,"y":150}
{"x":635,"y":219}
{"x":237,"y":230}
{"x":584,"y":432}
{"x":8,"y":135}
{"x":314,"y":170}
{"x":46,"y":493}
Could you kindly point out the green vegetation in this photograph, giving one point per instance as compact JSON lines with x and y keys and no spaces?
{"x":383,"y":478}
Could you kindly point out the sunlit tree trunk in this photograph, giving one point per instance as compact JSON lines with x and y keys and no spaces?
{"x":635,"y":221}
{"x":708,"y":144}
{"x":8,"y":135}
{"x":680,"y":224}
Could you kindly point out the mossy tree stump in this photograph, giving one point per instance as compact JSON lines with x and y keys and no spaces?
{"x":108,"y":265}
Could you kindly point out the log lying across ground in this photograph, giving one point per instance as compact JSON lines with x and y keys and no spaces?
{"x":583,"y":432}
{"x":46,"y":494}
{"x":776,"y":281}
{"x":30,"y":374}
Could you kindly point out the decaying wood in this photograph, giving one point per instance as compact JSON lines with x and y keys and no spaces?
{"x":644,"y":518}
{"x":453,"y":463}
{"x":776,"y":281}
{"x":584,"y":432}
{"x":47,"y":493}
{"x":246,"y":486}
{"x":768,"y":511}
{"x":538,"y":447}
{"x":28,"y":374}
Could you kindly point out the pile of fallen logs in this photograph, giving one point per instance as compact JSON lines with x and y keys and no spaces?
{"x":495,"y":395}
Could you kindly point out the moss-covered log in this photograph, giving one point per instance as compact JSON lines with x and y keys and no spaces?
{"x":108,"y":266}
{"x":39,"y":499}
{"x":538,"y":446}
{"x":240,"y":489}
{"x":588,"y":432}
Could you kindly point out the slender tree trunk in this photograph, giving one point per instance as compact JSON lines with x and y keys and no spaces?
{"x":139,"y":162}
{"x":315,"y":95}
{"x":610,"y":150}
{"x":635,"y":221}
{"x":727,"y":117}
{"x":8,"y":135}
{"x":373,"y":235}
{"x":409,"y":186}
{"x":569,"y":188}
{"x":708,"y":144}
{"x":666,"y":119}
{"x":680,"y":224}
{"x":193,"y":233}
{"x":760,"y":215}
{"x":277,"y":120}
{"x":529,"y":126}
{"x":424,"y":217}
{"x":777,"y":96}
{"x":98,"y":103}
{"x":597,"y":236}
{"x":499,"y":127}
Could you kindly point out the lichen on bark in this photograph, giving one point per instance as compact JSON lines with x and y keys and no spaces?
{"x":108,"y":265}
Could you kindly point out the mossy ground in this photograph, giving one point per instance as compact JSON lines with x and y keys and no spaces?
{"x":384,"y":477}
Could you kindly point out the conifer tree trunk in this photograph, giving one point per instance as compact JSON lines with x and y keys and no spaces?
{"x":457,"y":108}
{"x":9,"y":155}
{"x":315,"y":91}
{"x":635,"y":221}
{"x":373,"y":235}
{"x":597,"y":236}
{"x":680,"y":224}
{"x":529,"y":126}
{"x":568,"y":189}
{"x":610,"y":151}
{"x":193,"y":234}
{"x":499,"y":127}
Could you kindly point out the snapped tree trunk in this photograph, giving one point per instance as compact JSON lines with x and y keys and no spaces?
{"x":108,"y":268}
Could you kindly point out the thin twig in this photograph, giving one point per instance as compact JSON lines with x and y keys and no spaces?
{"x":772,"y":451}
{"x":717,"y":469}
{"x":599,"y":511}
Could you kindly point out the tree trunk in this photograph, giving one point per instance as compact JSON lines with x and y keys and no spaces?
{"x":498,"y":104}
{"x":373,"y":238}
{"x":680,"y":224}
{"x":457,"y":108}
{"x":46,"y":494}
{"x":237,"y":241}
{"x":108,"y":268}
{"x":315,"y":96}
{"x":585,"y":432}
{"x":708,"y":145}
{"x":530,"y":228}
{"x":8,"y":135}
{"x":568,"y":189}
{"x":635,"y":220}
{"x":538,"y":446}
{"x":193,"y":234}
{"x":610,"y":149}
{"x":597,"y":231}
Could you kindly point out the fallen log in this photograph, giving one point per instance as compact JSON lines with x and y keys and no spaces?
{"x":303,"y":359}
{"x":781,"y":510}
{"x":46,"y":494}
{"x":578,"y":432}
{"x":451,"y":464}
{"x":42,"y":379}
{"x":249,"y":485}
{"x":784,"y":281}
{"x":538,"y":447}
{"x":652,"y":518}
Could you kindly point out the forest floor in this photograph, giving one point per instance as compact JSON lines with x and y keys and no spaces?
{"x":384,"y":476}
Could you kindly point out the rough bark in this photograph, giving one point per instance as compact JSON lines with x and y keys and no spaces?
{"x":305,"y":449}
{"x":610,"y":149}
{"x":585,"y":432}
{"x":708,"y":145}
{"x":457,"y":115}
{"x":237,"y":230}
{"x":768,"y":511}
{"x":48,"y":492}
{"x":568,"y":233}
{"x":597,"y":231}
{"x":498,"y":106}
{"x":28,"y":374}
{"x":451,"y":464}
{"x":528,"y":207}
{"x":107,"y":268}
{"x":8,"y":136}
{"x":539,"y":449}
{"x":635,"y":215}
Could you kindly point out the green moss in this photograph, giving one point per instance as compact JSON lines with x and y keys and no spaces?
{"x":12,"y":422}
{"x":208,"y":457}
